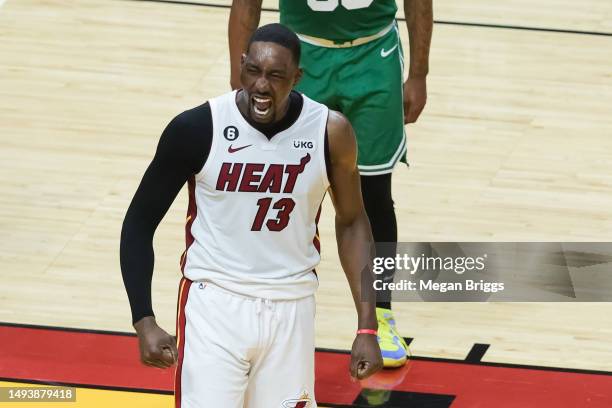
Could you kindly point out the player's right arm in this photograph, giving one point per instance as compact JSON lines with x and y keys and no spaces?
{"x":243,"y":21}
{"x":181,"y":151}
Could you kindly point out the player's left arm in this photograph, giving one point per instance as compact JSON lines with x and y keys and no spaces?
{"x":419,"y":19}
{"x":355,"y":242}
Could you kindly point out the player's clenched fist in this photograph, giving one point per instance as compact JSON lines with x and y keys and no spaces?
{"x":366,"y":358}
{"x":157,"y":348}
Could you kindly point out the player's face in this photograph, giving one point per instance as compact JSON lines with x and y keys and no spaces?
{"x":268,"y":75}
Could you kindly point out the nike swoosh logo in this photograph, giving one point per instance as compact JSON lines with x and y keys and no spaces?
{"x":385,"y":54}
{"x":230,"y":149}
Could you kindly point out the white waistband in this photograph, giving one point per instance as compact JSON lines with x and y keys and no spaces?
{"x":216,"y":287}
{"x":322,"y":42}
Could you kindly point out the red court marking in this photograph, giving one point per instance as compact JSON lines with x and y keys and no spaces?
{"x":112,"y":360}
{"x":475,"y":386}
{"x":77,"y":357}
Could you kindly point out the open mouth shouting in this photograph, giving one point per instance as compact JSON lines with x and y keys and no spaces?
{"x":261,"y":107}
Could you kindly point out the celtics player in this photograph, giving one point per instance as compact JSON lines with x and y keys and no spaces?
{"x":353,"y":62}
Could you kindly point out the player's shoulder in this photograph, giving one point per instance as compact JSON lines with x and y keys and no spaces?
{"x":340,"y":135}
{"x":189,"y":130}
{"x":194,"y":117}
{"x":310,"y":105}
{"x":338,"y":127}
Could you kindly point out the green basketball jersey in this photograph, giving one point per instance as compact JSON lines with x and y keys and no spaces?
{"x":337,"y":20}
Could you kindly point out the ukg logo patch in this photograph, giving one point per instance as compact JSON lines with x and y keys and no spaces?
{"x":303,"y":144}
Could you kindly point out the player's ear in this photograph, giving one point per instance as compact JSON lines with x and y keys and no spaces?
{"x":298,"y":76}
{"x":242,"y":58}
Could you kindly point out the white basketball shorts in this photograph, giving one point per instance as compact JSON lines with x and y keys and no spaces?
{"x":242,"y":352}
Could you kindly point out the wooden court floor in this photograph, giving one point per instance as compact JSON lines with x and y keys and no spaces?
{"x":515,"y":145}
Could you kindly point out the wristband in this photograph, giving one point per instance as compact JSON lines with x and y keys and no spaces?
{"x":367,"y":331}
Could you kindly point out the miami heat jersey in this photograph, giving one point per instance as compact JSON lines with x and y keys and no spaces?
{"x":254,"y":206}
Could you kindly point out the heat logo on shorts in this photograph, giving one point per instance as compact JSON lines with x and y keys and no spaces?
{"x":303,"y":402}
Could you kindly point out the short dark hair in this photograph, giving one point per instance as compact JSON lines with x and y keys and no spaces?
{"x":281,"y":35}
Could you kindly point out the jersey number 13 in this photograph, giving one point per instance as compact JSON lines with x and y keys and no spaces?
{"x":284,"y":207}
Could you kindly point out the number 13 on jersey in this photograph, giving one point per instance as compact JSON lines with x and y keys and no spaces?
{"x":284,"y":207}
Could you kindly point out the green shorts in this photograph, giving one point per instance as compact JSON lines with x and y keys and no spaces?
{"x":365,"y":83}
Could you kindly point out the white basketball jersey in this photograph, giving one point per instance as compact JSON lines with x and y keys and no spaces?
{"x":254,"y":206}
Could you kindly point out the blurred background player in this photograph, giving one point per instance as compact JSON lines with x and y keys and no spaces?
{"x":245,"y":329}
{"x":353,"y":62}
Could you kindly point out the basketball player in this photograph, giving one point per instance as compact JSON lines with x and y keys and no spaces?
{"x":258,"y":162}
{"x":353,"y":63}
